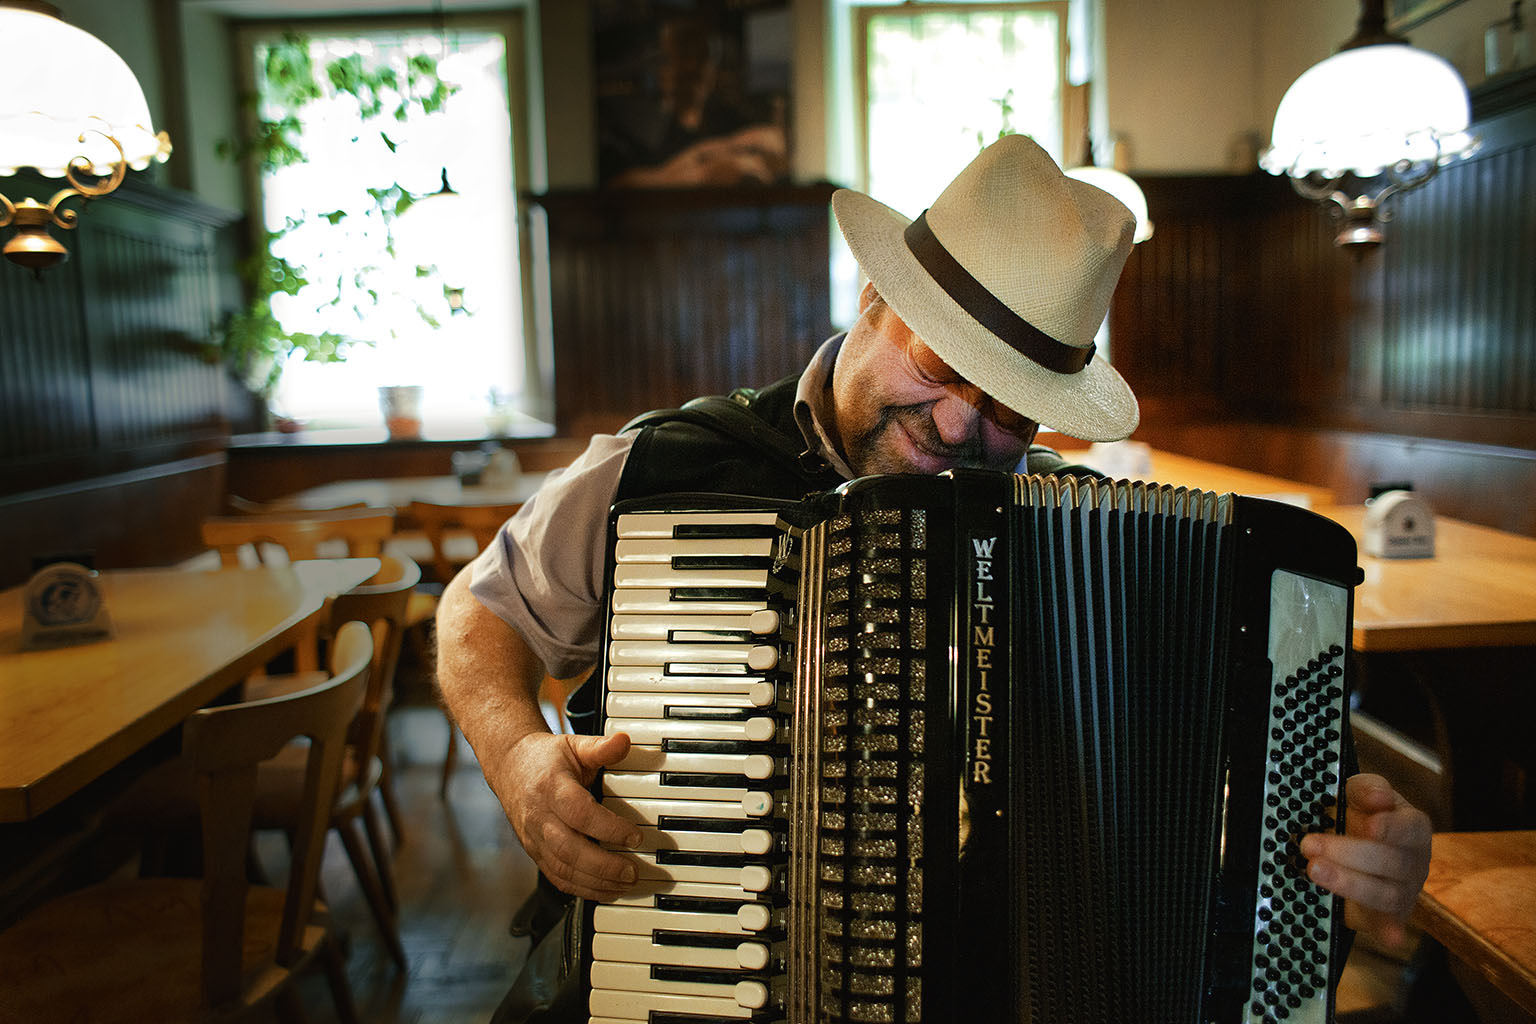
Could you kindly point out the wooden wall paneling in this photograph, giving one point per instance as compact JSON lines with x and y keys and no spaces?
{"x":114,"y":400}
{"x":659,"y":296}
{"x":45,"y":364}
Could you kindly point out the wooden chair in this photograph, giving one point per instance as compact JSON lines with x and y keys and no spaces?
{"x":456,"y":533}
{"x":266,"y":536}
{"x":382,"y":604}
{"x":215,"y":947}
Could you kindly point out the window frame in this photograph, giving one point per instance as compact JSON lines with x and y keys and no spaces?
{"x":512,"y":25}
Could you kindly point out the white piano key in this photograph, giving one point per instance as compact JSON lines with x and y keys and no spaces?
{"x":648,"y":785}
{"x":763,"y":657}
{"x":652,"y":732}
{"x":764,"y":622}
{"x":639,"y":949}
{"x":655,"y":705}
{"x":654,"y":759}
{"x":654,"y":679}
{"x":659,"y":652}
{"x":608,"y":975}
{"x":663,"y":524}
{"x":662,"y":551}
{"x":645,"y":891}
{"x":643,"y":575}
{"x":638,"y":1006}
{"x":660,"y":627}
{"x":752,"y":842}
{"x":649,"y":601}
{"x":753,"y":877}
{"x":644,"y":920}
{"x":649,"y":810}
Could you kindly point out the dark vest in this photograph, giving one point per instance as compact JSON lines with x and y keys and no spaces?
{"x":747,"y":443}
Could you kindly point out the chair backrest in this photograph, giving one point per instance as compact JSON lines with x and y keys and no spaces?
{"x":380,"y":603}
{"x":440,"y":524}
{"x":225,"y":744}
{"x":299,"y":534}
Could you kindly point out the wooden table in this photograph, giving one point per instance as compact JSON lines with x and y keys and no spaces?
{"x":1480,"y":904}
{"x":399,"y":492}
{"x":69,"y":715}
{"x":1479,"y":590}
{"x":1183,"y":471}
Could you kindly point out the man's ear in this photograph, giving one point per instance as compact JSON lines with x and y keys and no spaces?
{"x":867,"y":295}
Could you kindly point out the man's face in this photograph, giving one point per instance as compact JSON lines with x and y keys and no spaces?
{"x":899,"y":409}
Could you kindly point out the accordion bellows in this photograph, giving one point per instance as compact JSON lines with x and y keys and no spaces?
{"x":977,"y":747}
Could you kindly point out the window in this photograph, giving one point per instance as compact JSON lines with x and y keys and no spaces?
{"x":941,"y":82}
{"x":438,"y":302}
{"x":927,"y":85}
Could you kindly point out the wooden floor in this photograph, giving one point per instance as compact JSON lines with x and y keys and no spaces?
{"x":461,"y":874}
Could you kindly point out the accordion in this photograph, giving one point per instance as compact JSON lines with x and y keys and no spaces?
{"x":976,"y":747}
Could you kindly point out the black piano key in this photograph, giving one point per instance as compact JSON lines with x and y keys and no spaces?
{"x":702,"y":975}
{"x":698,"y":905}
{"x":696,"y":531}
{"x":692,"y":858}
{"x":693,"y":714}
{"x":709,"y":940}
{"x":716,"y":593}
{"x":722,"y":561}
{"x":681,"y":746}
{"x":717,"y":781}
{"x":678,"y":823}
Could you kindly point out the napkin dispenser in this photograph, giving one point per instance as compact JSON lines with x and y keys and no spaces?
{"x":1399,"y":524}
{"x":64,"y":605}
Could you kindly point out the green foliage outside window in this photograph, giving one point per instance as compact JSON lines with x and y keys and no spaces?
{"x":289,"y":80}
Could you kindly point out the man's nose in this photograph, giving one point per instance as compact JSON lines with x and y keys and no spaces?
{"x":957,"y":416}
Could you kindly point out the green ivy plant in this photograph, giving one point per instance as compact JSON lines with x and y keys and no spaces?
{"x":253,"y":341}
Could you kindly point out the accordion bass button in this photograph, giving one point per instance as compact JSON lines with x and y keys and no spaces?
{"x":764,"y":622}
{"x":762,"y":657}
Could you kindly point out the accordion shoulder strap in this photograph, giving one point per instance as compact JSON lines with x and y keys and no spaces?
{"x":733,"y":417}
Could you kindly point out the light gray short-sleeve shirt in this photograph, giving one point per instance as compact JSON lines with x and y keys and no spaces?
{"x":543,"y":574}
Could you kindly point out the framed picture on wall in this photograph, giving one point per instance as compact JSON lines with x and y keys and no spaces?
{"x":692,"y":92}
{"x":1405,"y":14}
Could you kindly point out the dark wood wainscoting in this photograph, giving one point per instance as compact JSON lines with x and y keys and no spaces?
{"x":113,"y":407}
{"x":661,"y":295}
{"x":1252,"y":340}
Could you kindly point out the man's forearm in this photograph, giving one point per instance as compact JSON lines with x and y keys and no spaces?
{"x":488,"y":676}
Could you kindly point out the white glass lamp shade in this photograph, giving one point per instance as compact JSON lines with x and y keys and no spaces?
{"x":58,"y":83}
{"x":1122,"y":188}
{"x":1364,"y":109}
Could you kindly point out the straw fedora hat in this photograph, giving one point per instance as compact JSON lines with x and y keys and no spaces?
{"x":1007,"y":277}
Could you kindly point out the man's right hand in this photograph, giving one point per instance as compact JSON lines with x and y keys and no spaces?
{"x":489,"y":679}
{"x":544,"y":783}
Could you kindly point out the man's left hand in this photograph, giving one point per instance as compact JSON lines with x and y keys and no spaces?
{"x":1380,"y":862}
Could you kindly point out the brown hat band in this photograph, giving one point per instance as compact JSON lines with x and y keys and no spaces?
{"x":990,"y":311}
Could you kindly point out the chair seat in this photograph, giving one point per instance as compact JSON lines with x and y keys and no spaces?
{"x":129,"y":951}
